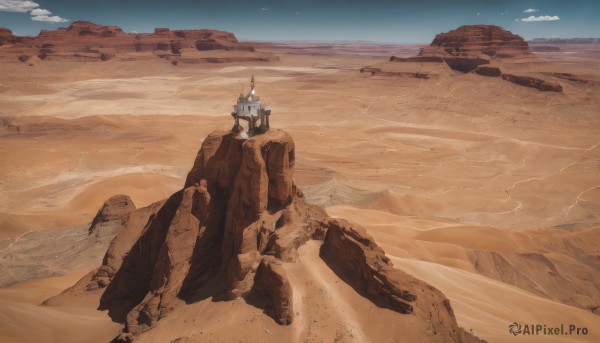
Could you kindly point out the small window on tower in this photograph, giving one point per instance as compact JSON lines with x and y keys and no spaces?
{"x":248,"y":108}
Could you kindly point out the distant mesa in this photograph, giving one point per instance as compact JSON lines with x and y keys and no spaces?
{"x":6,"y":36}
{"x":480,"y":49}
{"x":545,"y":48}
{"x":564,"y":41}
{"x":85,"y":41}
{"x":469,"y":46}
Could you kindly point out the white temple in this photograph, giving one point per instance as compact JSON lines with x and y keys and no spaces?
{"x":250,"y":109}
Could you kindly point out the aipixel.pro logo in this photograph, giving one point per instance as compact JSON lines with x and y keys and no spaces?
{"x":546,"y":330}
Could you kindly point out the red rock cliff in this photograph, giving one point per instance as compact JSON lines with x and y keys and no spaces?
{"x":86,"y":41}
{"x":228,"y":234}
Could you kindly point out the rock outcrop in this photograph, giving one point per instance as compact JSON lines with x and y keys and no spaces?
{"x":6,"y":36}
{"x":488,"y":71}
{"x":564,"y":41}
{"x":545,"y":48}
{"x":133,"y":224}
{"x":533,"y":82}
{"x":52,"y":253}
{"x":351,"y":251}
{"x":230,"y":232}
{"x":470,"y":46}
{"x":573,"y":78}
{"x":476,"y":40}
{"x":272,"y":283}
{"x":113,"y":209}
{"x":89,"y":42}
{"x":354,"y":250}
{"x":378,"y":71}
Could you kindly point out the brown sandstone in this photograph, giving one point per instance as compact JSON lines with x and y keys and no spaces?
{"x":271,"y":282}
{"x":488,"y":71}
{"x":6,"y":36}
{"x":228,"y":234}
{"x":469,"y":46}
{"x":88,"y":42}
{"x":533,"y":82}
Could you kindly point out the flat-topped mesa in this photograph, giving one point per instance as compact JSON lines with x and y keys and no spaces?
{"x":469,"y":46}
{"x":250,"y":109}
{"x":474,"y":40}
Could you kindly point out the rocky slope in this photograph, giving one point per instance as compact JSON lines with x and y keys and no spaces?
{"x":86,"y":41}
{"x":232,"y":231}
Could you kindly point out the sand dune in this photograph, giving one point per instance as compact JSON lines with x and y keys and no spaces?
{"x":23,"y":319}
{"x":489,"y":307}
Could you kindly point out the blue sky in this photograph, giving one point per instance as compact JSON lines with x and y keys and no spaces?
{"x":397,"y":21}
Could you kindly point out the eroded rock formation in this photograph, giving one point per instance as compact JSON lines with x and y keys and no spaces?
{"x":271,"y":282}
{"x":6,"y":36}
{"x":378,"y":71}
{"x":481,"y":49}
{"x":476,"y":40}
{"x":353,"y":253}
{"x":488,"y":71}
{"x":86,"y":41}
{"x":133,"y":224}
{"x":113,"y":209}
{"x":470,"y":46}
{"x":533,"y":82}
{"x":229,"y":234}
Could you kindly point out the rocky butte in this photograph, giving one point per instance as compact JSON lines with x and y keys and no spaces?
{"x":232,"y":232}
{"x":469,"y":46}
{"x":481,"y":49}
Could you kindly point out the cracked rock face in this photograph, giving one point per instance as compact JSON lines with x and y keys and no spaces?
{"x":229,"y":233}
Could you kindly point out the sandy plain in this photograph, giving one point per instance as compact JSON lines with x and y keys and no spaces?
{"x":487,"y":190}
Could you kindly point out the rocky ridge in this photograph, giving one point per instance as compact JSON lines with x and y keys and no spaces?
{"x":88,"y":42}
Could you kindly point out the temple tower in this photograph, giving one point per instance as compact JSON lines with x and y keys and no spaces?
{"x":250,"y":109}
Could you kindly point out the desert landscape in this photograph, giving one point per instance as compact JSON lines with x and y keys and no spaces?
{"x":465,"y":171}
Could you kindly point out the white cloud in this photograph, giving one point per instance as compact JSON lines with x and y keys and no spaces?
{"x":531,"y":10}
{"x":31,"y":7}
{"x":40,"y":11}
{"x":540,"y":18}
{"x":265,"y":9}
{"x":478,"y":13}
{"x":17,"y":6}
{"x":49,"y":19}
